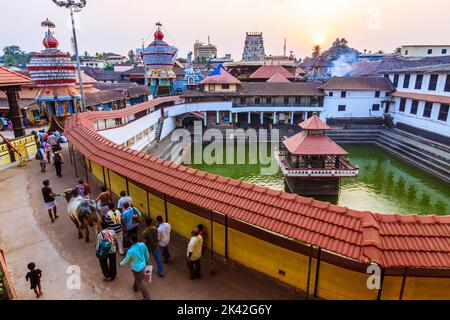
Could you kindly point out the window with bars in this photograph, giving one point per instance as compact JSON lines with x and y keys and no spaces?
{"x":376,"y":107}
{"x":341,"y":107}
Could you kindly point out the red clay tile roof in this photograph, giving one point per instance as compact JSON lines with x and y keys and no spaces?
{"x":314,"y":123}
{"x":223,"y":78}
{"x":388,"y":239}
{"x":422,"y":97}
{"x":359,"y":83}
{"x":308,"y":145}
{"x":11,"y":78}
{"x":267,"y":71}
{"x":278,"y":77}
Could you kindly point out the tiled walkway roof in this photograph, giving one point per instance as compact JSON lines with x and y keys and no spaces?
{"x":11,"y":78}
{"x":390,"y":240}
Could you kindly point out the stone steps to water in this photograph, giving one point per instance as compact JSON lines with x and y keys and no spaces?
{"x":417,"y":162}
{"x":433,"y":163}
{"x":438,"y":157}
{"x":406,"y":136}
{"x":420,"y":139}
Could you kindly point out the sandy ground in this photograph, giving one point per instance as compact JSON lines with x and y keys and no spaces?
{"x":26,"y":235}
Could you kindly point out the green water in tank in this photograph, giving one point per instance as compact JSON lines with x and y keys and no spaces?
{"x":385,"y":183}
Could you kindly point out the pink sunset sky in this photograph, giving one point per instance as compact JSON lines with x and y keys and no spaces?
{"x":119,"y":25}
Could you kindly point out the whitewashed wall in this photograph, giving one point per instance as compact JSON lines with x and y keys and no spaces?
{"x":358,"y":104}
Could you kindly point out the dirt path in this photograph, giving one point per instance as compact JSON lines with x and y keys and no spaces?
{"x":26,"y":234}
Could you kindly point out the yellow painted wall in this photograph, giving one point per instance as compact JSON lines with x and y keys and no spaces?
{"x":156,"y":206}
{"x":334,"y":282}
{"x":218,"y":88}
{"x":391,"y":288}
{"x":337,"y":283}
{"x":97,"y":171}
{"x":26,"y":146}
{"x":4,"y":155}
{"x":139,"y":197}
{"x":421,"y":288}
{"x":118,"y":183}
{"x":269,"y":259}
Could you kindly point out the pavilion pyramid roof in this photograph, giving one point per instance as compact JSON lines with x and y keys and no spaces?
{"x":267,"y":71}
{"x":305,"y":144}
{"x":220,"y":76}
{"x":279,"y":78}
{"x":11,"y":78}
{"x":314,"y":123}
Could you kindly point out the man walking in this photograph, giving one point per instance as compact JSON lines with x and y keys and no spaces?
{"x":164,"y":229}
{"x":58,"y":160}
{"x":137,"y":256}
{"x":49,"y":200}
{"x":123,"y":198}
{"x":150,"y":235}
{"x":106,"y":247}
{"x":194,"y":254}
{"x":113,"y":218}
{"x":131,"y":217}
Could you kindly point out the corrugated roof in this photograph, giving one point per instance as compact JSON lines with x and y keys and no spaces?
{"x":308,"y":145}
{"x":11,"y":78}
{"x":358,"y":83}
{"x":390,"y":240}
{"x":267,"y":71}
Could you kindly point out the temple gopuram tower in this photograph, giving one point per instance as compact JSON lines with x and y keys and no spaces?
{"x":254,"y":47}
{"x":312,"y":163}
{"x":53,"y":72}
{"x":158,"y":60}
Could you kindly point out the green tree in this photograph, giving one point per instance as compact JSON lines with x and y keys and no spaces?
{"x":9,"y":60}
{"x":109,"y":67}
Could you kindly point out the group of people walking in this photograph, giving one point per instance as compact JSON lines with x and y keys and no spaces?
{"x":49,"y":149}
{"x":119,"y":235}
{"x":120,"y":228}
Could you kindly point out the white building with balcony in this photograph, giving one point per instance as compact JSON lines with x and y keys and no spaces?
{"x":422,"y":99}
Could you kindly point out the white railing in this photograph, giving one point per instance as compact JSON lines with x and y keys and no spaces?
{"x":315,"y":172}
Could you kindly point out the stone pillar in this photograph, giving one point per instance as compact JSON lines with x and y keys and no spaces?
{"x":230,"y":118}
{"x":274,"y":118}
{"x":236,"y":119}
{"x":16,"y":118}
{"x":292,"y":117}
{"x":205,"y":121}
{"x":261,"y":117}
{"x":217,"y":117}
{"x":249,"y":118}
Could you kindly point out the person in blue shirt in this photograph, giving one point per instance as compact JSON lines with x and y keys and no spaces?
{"x":137,"y":256}
{"x":130,"y":219}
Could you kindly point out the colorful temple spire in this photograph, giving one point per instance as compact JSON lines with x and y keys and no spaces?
{"x":158,"y":59}
{"x":54,"y":73}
